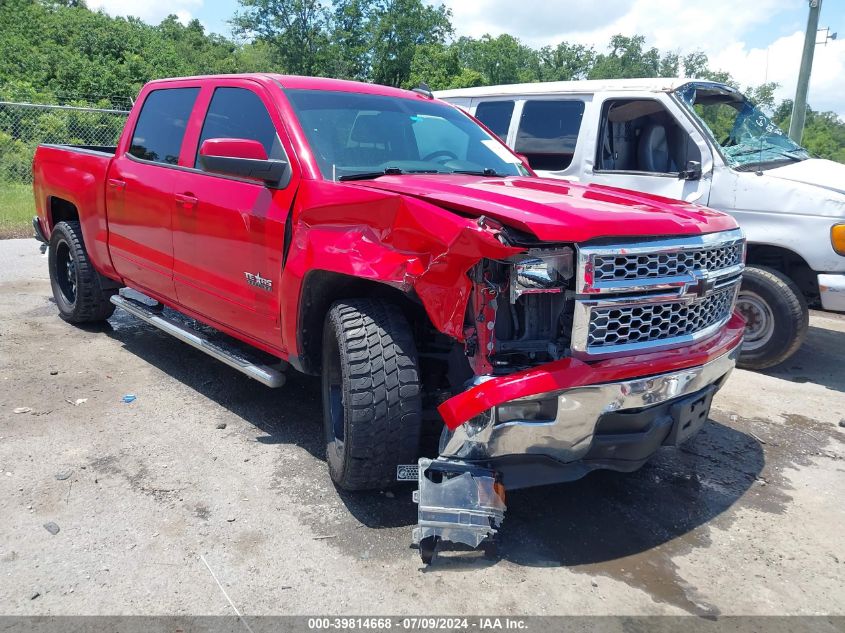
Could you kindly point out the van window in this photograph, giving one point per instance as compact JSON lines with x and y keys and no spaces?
{"x":496,"y":115}
{"x":240,"y":113}
{"x":548,"y":132}
{"x":640,"y":135}
{"x":161,"y":125}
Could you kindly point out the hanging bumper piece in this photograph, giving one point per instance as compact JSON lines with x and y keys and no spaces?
{"x":458,"y":502}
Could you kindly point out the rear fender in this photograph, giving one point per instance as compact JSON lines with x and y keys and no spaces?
{"x":78,"y":178}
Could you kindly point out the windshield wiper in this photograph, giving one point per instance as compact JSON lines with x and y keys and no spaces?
{"x":390,"y":171}
{"x":369,"y":175}
{"x":475,"y":172}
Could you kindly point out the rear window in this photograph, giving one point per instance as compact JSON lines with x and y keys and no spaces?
{"x":548,"y":132}
{"x":496,"y":115}
{"x":161,"y":125}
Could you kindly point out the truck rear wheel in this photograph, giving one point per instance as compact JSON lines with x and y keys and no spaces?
{"x":776,"y":318}
{"x":371,"y":393}
{"x":76,"y":285}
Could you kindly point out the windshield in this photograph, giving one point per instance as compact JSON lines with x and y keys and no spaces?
{"x":357,"y":135}
{"x":747,"y":137}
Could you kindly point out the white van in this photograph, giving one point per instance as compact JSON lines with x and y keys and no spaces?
{"x":702,"y":142}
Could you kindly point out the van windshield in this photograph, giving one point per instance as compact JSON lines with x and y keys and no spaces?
{"x":355,"y":136}
{"x":747,"y":137}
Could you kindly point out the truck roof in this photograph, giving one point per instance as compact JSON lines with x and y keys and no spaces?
{"x":652,"y":84}
{"x":297,"y":82}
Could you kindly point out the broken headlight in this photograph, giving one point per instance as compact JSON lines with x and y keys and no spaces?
{"x":541,"y":271}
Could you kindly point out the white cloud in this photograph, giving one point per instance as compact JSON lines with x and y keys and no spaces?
{"x":779,"y":62}
{"x":151,"y":11}
{"x":667,"y":24}
{"x":720,"y":28}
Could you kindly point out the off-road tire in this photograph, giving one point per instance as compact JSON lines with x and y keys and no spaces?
{"x":370,"y":374}
{"x":787,"y":309}
{"x":82,"y":300}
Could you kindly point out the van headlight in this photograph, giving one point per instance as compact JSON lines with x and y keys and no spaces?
{"x":541,"y":271}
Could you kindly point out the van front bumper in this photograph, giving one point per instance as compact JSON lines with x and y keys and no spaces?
{"x":832,"y":290}
{"x":561,"y":433}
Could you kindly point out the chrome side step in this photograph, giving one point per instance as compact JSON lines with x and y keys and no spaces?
{"x":270,"y":376}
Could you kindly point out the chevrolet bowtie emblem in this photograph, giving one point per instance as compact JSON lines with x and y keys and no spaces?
{"x":701,"y":288}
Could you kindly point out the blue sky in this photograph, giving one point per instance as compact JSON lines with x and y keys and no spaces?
{"x":754,"y":41}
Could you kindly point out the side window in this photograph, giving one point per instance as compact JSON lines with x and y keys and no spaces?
{"x":239,"y":113}
{"x":161,"y":124}
{"x":548,"y":132}
{"x":640,"y":135}
{"x":496,"y":115}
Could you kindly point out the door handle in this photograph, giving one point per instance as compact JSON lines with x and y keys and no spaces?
{"x":114,"y":183}
{"x":186,"y":201}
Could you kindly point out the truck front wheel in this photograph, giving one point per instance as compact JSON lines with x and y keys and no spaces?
{"x":76,"y":285}
{"x":371,"y":393}
{"x":776,"y":318}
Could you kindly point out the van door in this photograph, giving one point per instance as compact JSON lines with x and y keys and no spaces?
{"x":496,"y":114}
{"x":645,"y":144}
{"x":547,"y":134}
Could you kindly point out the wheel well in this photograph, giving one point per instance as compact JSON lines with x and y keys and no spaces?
{"x":60,"y":210}
{"x":320,"y":290}
{"x":790,"y":264}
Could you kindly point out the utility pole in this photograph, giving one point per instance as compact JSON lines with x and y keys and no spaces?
{"x":799,"y":108}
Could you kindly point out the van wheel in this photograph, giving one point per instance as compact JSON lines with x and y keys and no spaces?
{"x":776,"y":318}
{"x":371,"y":393}
{"x":76,"y":285}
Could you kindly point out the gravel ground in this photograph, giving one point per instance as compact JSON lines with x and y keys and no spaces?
{"x":152,"y":499}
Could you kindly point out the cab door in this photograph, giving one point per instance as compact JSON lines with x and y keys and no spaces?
{"x":647,"y":144}
{"x":228,"y":232}
{"x":139,"y":190}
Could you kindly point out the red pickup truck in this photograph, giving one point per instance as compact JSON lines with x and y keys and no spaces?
{"x":393,"y":245}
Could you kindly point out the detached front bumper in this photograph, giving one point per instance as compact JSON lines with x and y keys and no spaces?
{"x":559,"y":421}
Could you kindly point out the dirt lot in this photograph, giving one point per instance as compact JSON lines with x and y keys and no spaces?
{"x":151,"y":497}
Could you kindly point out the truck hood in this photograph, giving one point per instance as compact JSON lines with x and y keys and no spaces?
{"x":558,"y":210}
{"x":814,"y":171}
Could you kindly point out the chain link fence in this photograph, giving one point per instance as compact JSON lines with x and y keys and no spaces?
{"x":23,"y":126}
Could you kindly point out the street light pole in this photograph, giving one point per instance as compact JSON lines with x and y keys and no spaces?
{"x":799,"y":108}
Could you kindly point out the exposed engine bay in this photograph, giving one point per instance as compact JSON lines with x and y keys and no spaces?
{"x":520,"y":314}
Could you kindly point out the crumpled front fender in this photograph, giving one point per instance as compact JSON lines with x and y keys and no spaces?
{"x":407,"y":243}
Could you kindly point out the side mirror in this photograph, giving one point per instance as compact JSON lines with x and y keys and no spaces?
{"x":244,"y":158}
{"x":692,"y":172}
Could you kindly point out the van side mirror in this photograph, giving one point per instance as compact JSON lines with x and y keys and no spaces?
{"x":243,"y":158}
{"x":692,"y":172}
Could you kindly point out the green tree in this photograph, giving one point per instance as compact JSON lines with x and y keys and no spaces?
{"x":439,"y":67}
{"x":295,"y":30}
{"x":824,"y":132}
{"x":565,"y":62}
{"x":628,"y":58}
{"x":397,"y":28}
{"x":350,"y":42}
{"x":500,"y":60}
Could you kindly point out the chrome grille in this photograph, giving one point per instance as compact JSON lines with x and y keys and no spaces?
{"x":634,"y":297}
{"x":670,"y":264}
{"x":624,"y":325}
